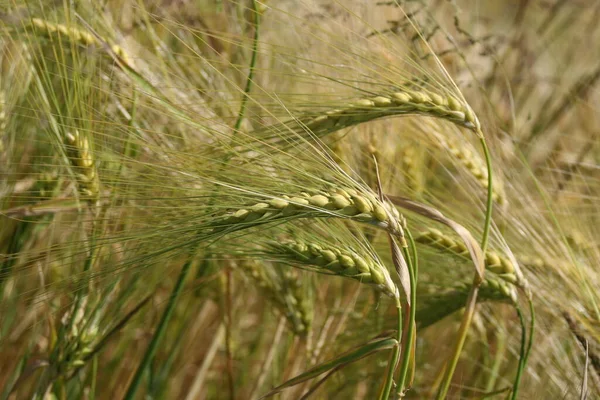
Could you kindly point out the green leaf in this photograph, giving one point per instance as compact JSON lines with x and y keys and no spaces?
{"x":346,"y":358}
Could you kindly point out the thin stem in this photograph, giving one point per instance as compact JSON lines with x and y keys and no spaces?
{"x":194,"y":391}
{"x":524,"y":354}
{"x":406,"y":346}
{"x":521,"y":354}
{"x":160,"y":331}
{"x":413,"y":252}
{"x":227,"y":315}
{"x":389,"y":379}
{"x":490,"y":193}
{"x":462,"y":335}
{"x":92,"y":392}
{"x":249,"y":80}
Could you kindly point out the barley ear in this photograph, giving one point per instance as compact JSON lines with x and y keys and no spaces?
{"x":334,"y":260}
{"x":79,"y":153}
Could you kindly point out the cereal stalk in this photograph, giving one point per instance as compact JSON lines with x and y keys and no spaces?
{"x":387,"y":387}
{"x":159,"y":332}
{"x":411,"y":330}
{"x":3,"y":120}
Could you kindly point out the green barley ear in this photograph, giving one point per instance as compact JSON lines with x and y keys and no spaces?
{"x":466,"y":156}
{"x":47,"y":184}
{"x":439,"y":303}
{"x":407,"y":102}
{"x":335,"y":202}
{"x":494,"y":262}
{"x":79,"y":152}
{"x":335,"y":260}
{"x":71,"y":343}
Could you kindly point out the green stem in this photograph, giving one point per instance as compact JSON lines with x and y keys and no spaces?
{"x":249,"y":79}
{"x":490,"y":193}
{"x":413,"y":252}
{"x":524,"y":354}
{"x":160,"y":331}
{"x":521,"y":354}
{"x":462,"y":335}
{"x":92,"y":393}
{"x":406,"y":346}
{"x":389,"y":380}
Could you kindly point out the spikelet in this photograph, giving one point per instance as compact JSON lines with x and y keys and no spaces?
{"x":83,"y":163}
{"x":335,"y":260}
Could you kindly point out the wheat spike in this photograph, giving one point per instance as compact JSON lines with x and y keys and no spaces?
{"x":78,"y":340}
{"x":47,"y":183}
{"x":495,"y":287}
{"x":400,"y":103}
